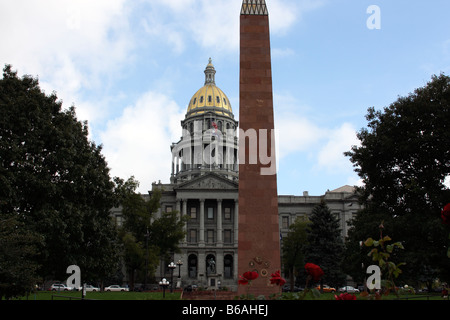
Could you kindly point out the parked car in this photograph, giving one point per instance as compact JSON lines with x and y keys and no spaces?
{"x":287,"y":288}
{"x":326,"y":288}
{"x":348,"y":289}
{"x":92,"y":288}
{"x":60,"y":287}
{"x":116,"y":287}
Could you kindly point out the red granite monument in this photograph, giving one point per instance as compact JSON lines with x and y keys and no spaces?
{"x":259,"y":235}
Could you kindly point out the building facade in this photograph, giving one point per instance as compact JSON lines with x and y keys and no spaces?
{"x":204,"y":185}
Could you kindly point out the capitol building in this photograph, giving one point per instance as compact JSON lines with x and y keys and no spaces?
{"x":204,"y":186}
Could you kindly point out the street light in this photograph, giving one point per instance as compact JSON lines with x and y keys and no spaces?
{"x":171,"y":266}
{"x":179,"y":264}
{"x":164,"y":284}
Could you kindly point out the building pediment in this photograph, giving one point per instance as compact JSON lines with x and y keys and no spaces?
{"x":210,"y":181}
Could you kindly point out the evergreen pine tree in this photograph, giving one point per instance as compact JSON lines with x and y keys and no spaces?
{"x":325,"y":246}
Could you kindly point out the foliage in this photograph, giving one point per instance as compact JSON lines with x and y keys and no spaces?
{"x":381,"y":254}
{"x":17,"y":259}
{"x":145,"y":238}
{"x":293,"y":249}
{"x":54,"y":181}
{"x":324,"y":244}
{"x":403,"y":160}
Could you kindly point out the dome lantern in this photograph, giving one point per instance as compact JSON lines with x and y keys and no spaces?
{"x":210,"y":73}
{"x":209,"y":98}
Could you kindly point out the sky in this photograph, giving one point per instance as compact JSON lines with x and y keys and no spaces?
{"x":130,"y":68}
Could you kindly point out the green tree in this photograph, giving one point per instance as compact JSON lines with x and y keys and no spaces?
{"x":54,"y":181}
{"x":18,"y":254}
{"x":146,"y":239}
{"x":325,"y":246}
{"x":293,"y":249}
{"x":404,"y":160}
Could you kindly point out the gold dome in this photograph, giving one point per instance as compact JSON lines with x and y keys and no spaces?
{"x":210,"y":97}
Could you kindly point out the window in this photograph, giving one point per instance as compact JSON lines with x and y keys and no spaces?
{"x":285,"y":222}
{"x":218,"y":99}
{"x":192,"y":266}
{"x":227,"y":236}
{"x":195,"y":101}
{"x":210,"y":213}
{"x":193,"y":213}
{"x":119,"y":220}
{"x":227,"y":214}
{"x":209,"y":99}
{"x":192,"y":236}
{"x":201,"y":99}
{"x":228,"y":266}
{"x":225,"y":101}
{"x":210,"y":236}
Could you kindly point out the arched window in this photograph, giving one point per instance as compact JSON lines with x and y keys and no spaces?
{"x":228,"y":266}
{"x":192,"y":266}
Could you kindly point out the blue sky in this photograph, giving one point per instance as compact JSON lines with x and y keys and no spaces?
{"x":130,"y":68}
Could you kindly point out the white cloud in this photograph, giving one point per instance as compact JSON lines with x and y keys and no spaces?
{"x":340,"y":140}
{"x":215,"y":24}
{"x":72,"y":45}
{"x":137,"y":143}
{"x":302,"y":136}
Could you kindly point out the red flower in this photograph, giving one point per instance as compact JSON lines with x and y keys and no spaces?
{"x":277,"y":279}
{"x":251,"y":275}
{"x":445,"y":214}
{"x":247,"y":277}
{"x":243,"y":281}
{"x":314,"y":271}
{"x":345,"y":296}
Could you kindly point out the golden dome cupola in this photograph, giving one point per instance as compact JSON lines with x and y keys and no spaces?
{"x":210,"y":98}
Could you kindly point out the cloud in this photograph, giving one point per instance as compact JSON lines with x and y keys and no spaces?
{"x":303,"y":137}
{"x":215,"y":24}
{"x":138,"y":142}
{"x":340,"y":140}
{"x":73,"y":45}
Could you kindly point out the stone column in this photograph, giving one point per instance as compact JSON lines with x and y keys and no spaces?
{"x":202,"y":223}
{"x":183,"y":214}
{"x":178,"y":208}
{"x":219,"y":223}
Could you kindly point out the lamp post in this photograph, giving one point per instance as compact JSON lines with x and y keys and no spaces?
{"x":171,"y":266}
{"x":147,"y":235}
{"x":164,"y":284}
{"x":179,"y":264}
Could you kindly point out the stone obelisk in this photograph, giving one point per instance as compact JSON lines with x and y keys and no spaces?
{"x":259,"y":235}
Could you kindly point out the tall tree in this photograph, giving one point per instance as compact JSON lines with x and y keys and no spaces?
{"x":325,"y":245}
{"x":404,"y":159}
{"x":54,"y":181}
{"x":145,"y":237}
{"x":293,"y":249}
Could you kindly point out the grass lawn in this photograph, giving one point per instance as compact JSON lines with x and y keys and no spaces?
{"x":59,"y":296}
